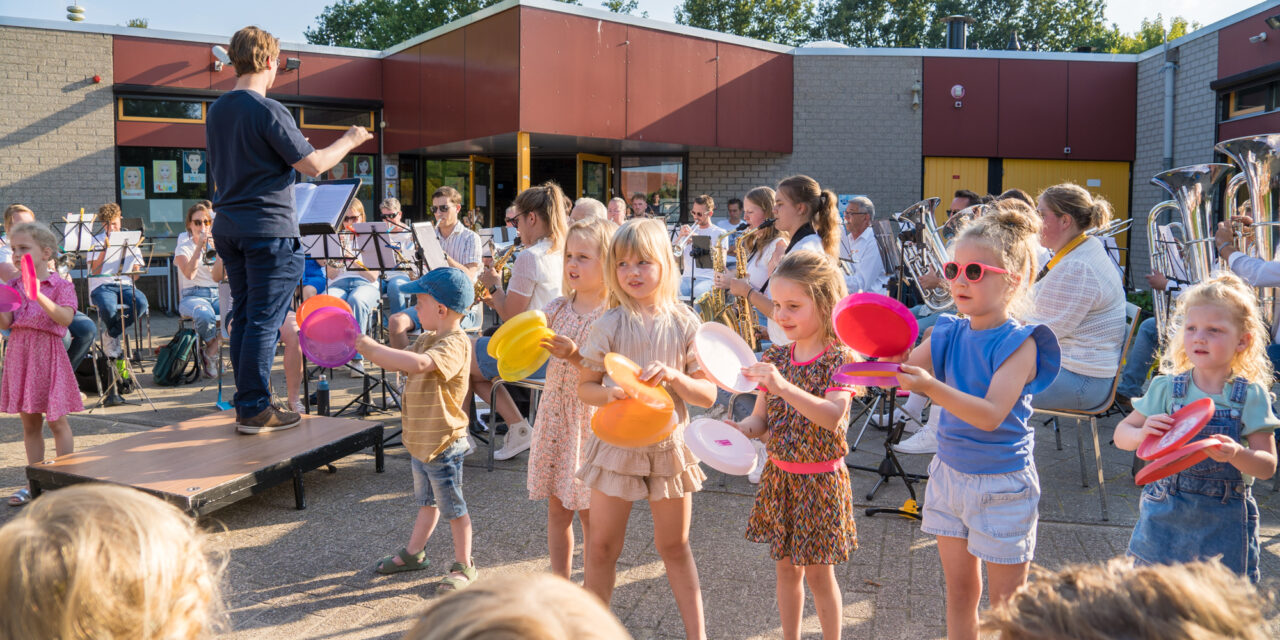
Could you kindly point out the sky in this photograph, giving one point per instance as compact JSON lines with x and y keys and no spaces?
{"x":288,"y":18}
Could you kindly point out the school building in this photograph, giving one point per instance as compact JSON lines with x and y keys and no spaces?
{"x":606,"y":104}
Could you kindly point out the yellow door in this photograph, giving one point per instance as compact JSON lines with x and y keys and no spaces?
{"x":944,"y":176}
{"x":1109,"y":180}
{"x":595,"y":177}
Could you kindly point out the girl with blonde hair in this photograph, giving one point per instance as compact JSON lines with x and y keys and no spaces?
{"x":646,"y":323}
{"x":1217,"y":350}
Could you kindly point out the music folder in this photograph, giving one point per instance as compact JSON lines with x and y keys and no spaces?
{"x":424,"y":234}
{"x":319,"y":206}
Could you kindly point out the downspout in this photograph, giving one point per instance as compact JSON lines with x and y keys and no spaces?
{"x":1170,"y":69}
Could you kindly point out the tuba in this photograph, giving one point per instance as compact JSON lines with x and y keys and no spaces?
{"x":1192,"y":232}
{"x":1258,"y":159}
{"x":927,"y":249}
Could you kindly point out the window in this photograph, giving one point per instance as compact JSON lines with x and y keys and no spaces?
{"x":659,"y":178}
{"x":157,"y":184}
{"x":1259,"y":98}
{"x":318,"y":118}
{"x":168,"y":110}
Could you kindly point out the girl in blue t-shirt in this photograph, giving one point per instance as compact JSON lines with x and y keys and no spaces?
{"x":1216,"y":349}
{"x":983,"y":492}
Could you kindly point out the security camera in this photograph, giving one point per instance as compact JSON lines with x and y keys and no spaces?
{"x":1261,"y":37}
{"x":220,"y":57}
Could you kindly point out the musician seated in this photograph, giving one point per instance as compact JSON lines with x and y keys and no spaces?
{"x":358,"y":287}
{"x":113,"y":293}
{"x":402,"y":238}
{"x":198,"y":280}
{"x":858,"y":249}
{"x":1258,"y":272}
{"x":701,"y":282}
{"x":763,"y":247}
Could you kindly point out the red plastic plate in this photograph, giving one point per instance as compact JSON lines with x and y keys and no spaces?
{"x":1187,"y":422}
{"x":30,"y":285}
{"x":875,"y":325}
{"x":1178,"y":460}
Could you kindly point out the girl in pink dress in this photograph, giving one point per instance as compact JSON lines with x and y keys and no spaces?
{"x":38,"y":382}
{"x":564,"y":422}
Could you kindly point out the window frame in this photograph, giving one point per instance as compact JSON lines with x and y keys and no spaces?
{"x":302,"y":119}
{"x":120,"y":115}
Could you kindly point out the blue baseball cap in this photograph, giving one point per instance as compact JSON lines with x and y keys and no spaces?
{"x":448,"y":285}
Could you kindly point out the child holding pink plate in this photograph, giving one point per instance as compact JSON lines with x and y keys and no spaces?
{"x":804,"y":507}
{"x":1216,"y":350}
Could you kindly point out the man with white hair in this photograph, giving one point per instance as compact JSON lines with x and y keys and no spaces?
{"x":586,"y":208}
{"x":617,"y":211}
{"x":859,"y":255}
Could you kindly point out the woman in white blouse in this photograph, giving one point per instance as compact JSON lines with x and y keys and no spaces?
{"x":764,"y":248}
{"x":198,"y":282}
{"x":1079,"y":295}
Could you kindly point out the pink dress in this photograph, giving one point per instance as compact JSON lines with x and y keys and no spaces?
{"x":37,"y":373}
{"x":563,"y":422}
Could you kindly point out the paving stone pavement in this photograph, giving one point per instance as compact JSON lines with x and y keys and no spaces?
{"x":308,"y":574}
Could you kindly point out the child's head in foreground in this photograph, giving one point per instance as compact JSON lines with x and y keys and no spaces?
{"x":97,"y":561}
{"x":1193,"y":601}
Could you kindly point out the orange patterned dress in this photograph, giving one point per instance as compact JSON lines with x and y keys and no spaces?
{"x":805,"y":517}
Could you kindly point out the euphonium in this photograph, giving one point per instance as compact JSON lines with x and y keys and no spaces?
{"x":1190,"y":187}
{"x":745,"y":322}
{"x":1258,"y":159}
{"x":927,"y":251}
{"x":499,"y":264}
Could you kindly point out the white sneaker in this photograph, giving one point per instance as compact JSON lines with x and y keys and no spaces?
{"x":519,"y":437}
{"x":924,"y":441}
{"x":298,"y":407}
{"x":878,"y":418}
{"x":762,"y":458}
{"x":356,"y":370}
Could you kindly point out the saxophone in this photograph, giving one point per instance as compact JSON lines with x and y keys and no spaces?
{"x":712,"y":305}
{"x":745,"y":322}
{"x":499,"y":264}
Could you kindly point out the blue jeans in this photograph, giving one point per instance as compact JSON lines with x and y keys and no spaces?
{"x":700,"y":286}
{"x":79,"y":338}
{"x":396,"y":301}
{"x":1141,"y":354}
{"x":263,"y":273}
{"x":1073,"y":391}
{"x":363,"y":297}
{"x":439,"y":483}
{"x":107,"y":299}
{"x":201,"y":305}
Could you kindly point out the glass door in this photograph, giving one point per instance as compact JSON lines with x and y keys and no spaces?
{"x":595,"y":177}
{"x":480,"y":196}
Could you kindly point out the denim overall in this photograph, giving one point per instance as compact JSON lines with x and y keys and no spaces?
{"x":1204,"y":511}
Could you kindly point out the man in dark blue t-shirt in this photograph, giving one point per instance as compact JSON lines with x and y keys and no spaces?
{"x":254,"y":147}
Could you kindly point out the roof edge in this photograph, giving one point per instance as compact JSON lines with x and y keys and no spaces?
{"x":920,"y":52}
{"x":1210,"y":28}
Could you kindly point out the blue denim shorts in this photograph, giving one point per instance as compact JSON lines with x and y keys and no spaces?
{"x":439,"y":483}
{"x":997,"y":513}
{"x":489,"y":364}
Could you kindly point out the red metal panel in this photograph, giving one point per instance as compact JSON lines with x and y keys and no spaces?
{"x":1236,"y":54}
{"x":159,"y":134}
{"x":573,"y":74}
{"x":753,"y":103}
{"x":972,"y":129}
{"x":340,"y":77}
{"x":402,"y":100}
{"x":491,"y":95}
{"x":1102,"y":111}
{"x":1033,"y":109}
{"x":1257,"y":125}
{"x":161,"y":63}
{"x":442,"y":82}
{"x":671,"y":84}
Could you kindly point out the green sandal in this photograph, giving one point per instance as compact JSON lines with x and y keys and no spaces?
{"x":388,"y":566}
{"x":460,"y":577}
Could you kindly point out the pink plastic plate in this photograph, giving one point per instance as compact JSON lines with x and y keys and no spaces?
{"x":1177,"y":460}
{"x":868,"y":374}
{"x":328,"y":337}
{"x":720,"y":445}
{"x":30,"y":285}
{"x":875,"y":325}
{"x":723,"y":354}
{"x":1187,"y":422}
{"x":10,"y":299}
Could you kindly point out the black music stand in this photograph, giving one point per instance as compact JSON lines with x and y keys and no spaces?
{"x":890,"y":467}
{"x":376,"y":244}
{"x":126,"y":252}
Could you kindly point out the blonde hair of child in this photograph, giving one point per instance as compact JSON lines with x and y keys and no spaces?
{"x":40,"y":234}
{"x":98,"y":561}
{"x":1010,"y":228}
{"x":1229,"y":292}
{"x":595,"y":232}
{"x":1192,"y":601}
{"x":533,"y":607}
{"x":642,"y":239}
{"x":822,"y":283}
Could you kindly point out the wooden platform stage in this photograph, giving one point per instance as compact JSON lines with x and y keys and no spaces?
{"x":202,"y":465}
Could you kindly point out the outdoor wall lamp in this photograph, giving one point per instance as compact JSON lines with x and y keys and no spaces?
{"x":1274,"y":21}
{"x":915,"y":95}
{"x":957,"y":92}
{"x":220,"y":57}
{"x":292,"y":64}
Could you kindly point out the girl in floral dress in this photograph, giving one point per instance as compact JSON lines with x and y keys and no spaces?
{"x":804,"y":507}
{"x":38,"y":382}
{"x":564,"y":422}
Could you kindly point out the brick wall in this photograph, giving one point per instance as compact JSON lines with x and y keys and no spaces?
{"x":56,"y":128}
{"x":1194,"y":125}
{"x":854,"y":132}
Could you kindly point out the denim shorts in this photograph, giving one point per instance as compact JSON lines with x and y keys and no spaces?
{"x":997,"y":513}
{"x":439,"y":483}
{"x":489,"y":364}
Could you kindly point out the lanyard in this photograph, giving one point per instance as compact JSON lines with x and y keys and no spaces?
{"x":1075,"y":242}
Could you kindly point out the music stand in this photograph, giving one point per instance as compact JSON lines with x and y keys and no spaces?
{"x":128,"y":253}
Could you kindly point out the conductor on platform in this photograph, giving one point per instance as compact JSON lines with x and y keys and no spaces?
{"x":254,"y":147}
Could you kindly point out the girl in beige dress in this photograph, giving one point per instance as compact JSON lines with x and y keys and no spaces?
{"x":646,"y":323}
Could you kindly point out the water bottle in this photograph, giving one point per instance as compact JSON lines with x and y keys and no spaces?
{"x":322,"y":396}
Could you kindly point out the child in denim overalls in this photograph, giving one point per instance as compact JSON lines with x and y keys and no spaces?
{"x":1215,"y":349}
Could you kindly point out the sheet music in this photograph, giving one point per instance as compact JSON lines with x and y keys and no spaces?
{"x":77,"y":235}
{"x":323,"y":247}
{"x":375,"y":250}
{"x":424,"y":233}
{"x":116,"y":241}
{"x":317,"y":203}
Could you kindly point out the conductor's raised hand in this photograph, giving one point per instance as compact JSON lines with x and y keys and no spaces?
{"x":358,"y":135}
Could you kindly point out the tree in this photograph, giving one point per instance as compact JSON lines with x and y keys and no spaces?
{"x":1149,"y":35}
{"x":624,"y":6}
{"x":873,"y":23}
{"x":782,"y":21}
{"x":378,"y":24}
{"x":140,"y":23}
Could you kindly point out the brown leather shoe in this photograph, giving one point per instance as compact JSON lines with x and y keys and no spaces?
{"x":271,"y":419}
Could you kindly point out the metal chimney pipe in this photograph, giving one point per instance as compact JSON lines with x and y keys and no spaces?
{"x":957,"y":31}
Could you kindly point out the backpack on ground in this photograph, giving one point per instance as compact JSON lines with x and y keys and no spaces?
{"x":177,"y":362}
